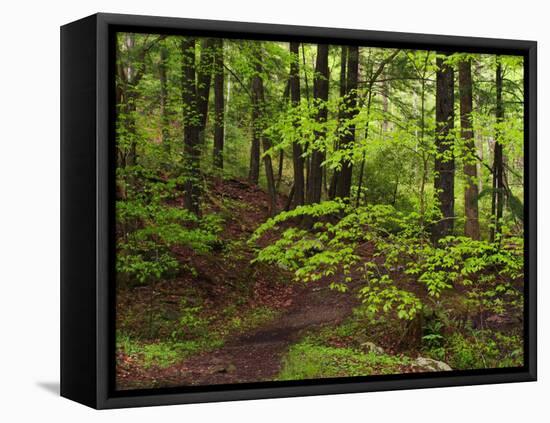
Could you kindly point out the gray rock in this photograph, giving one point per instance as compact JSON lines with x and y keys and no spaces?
{"x":372,"y":347}
{"x":432,"y":365}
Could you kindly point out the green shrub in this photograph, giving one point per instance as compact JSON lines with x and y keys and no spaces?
{"x":480,"y":349}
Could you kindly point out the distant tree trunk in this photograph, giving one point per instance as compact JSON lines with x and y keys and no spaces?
{"x":165,"y":120}
{"x":297,"y":159}
{"x":218,"y":106}
{"x":370,"y":84}
{"x":191,"y":120}
{"x":320,"y":97}
{"x":497,"y":199}
{"x":204,"y":79}
{"x":344,"y":184}
{"x":258,"y":106}
{"x":362,"y":168}
{"x":471,"y":225}
{"x":444,"y":165}
{"x":385,"y":105}
{"x":131,"y":79}
{"x":343,"y":66}
{"x":254,"y":166}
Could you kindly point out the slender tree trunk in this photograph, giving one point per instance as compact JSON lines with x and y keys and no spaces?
{"x":204,"y":79}
{"x":320,"y":98}
{"x":297,"y":159}
{"x":258,"y":127}
{"x":344,"y":183}
{"x":343,"y":89}
{"x":444,"y":161}
{"x":362,"y":168}
{"x":280,"y":169}
{"x":385,"y":105}
{"x":191,"y":120}
{"x":218,"y":106}
{"x":165,"y":120}
{"x":471,"y":225}
{"x":497,"y":203}
{"x":424,"y":175}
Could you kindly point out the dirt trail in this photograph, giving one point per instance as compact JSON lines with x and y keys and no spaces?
{"x":256,"y":356}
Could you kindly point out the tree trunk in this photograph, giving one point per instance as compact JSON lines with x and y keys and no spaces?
{"x":362,"y":168}
{"x":204,"y":79}
{"x":165,"y":120}
{"x":297,"y":159}
{"x":497,"y":200}
{"x":344,"y":183}
{"x":258,"y":128}
{"x":320,"y":98}
{"x":444,"y":166}
{"x":191,"y":120}
{"x":343,"y":66}
{"x":471,"y":225}
{"x":218,"y":106}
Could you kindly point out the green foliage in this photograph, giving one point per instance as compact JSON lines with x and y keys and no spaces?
{"x":151,"y":226}
{"x":331,"y":250}
{"x":479,"y":349}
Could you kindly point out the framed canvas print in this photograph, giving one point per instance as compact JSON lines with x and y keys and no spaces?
{"x":255,"y":211}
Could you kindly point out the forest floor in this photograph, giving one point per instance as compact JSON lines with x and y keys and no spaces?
{"x":248,"y":322}
{"x":257,"y":355}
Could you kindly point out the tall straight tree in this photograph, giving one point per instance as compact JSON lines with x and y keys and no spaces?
{"x":204,"y":79}
{"x":192,"y":123}
{"x":471,"y":225}
{"x":320,"y":98}
{"x":297,"y":152}
{"x":444,"y":166}
{"x":350,"y":111}
{"x":254,"y":165}
{"x":258,"y":126}
{"x":165,"y":119}
{"x":343,"y":90}
{"x":218,"y":105}
{"x":497,"y":198}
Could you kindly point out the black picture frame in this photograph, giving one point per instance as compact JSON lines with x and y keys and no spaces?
{"x":87,"y":210}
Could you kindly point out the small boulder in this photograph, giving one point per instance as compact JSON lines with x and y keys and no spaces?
{"x":372,"y":347}
{"x":432,"y":365}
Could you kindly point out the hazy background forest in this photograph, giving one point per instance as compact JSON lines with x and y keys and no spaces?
{"x":295,"y":211}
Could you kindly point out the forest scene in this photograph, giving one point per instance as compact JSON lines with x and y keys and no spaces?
{"x":292,"y":211}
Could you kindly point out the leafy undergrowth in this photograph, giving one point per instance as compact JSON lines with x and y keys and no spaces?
{"x":363,"y":345}
{"x":163,"y":353}
{"x":479,"y":349}
{"x":310,"y":359}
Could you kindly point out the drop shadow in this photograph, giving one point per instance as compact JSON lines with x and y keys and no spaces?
{"x":51,"y":387}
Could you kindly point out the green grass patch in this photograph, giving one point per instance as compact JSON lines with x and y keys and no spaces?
{"x":311,"y":360}
{"x":163,"y":354}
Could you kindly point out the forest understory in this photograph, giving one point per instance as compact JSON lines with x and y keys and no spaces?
{"x":252,"y":323}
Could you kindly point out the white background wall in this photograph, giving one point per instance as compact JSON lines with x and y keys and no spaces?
{"x":29,"y":210}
